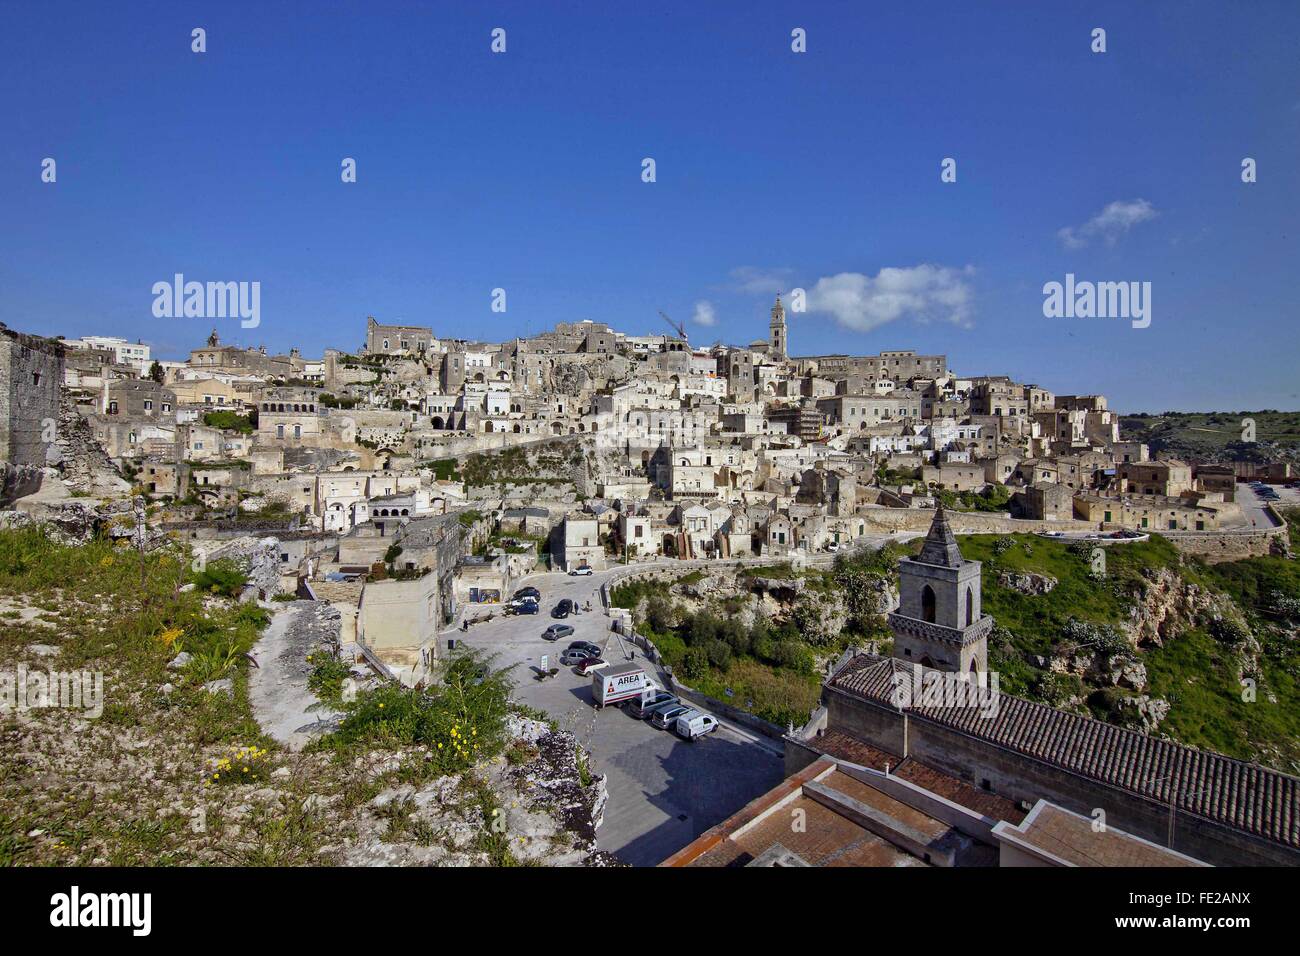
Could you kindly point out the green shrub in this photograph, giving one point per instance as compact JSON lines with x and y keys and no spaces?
{"x":461,"y":719}
{"x":223,"y":576}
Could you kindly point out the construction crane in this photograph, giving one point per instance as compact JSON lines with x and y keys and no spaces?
{"x":675,"y":326}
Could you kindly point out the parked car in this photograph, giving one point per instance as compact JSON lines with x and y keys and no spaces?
{"x":592,"y":664}
{"x":833,"y":546}
{"x":563,"y":609}
{"x":528,"y":592}
{"x":576,"y":655}
{"x":694,"y":724}
{"x":642,"y":707}
{"x":557,"y":631}
{"x":587,"y":646}
{"x":584,"y":570}
{"x":523,"y":607}
{"x":663,"y":719}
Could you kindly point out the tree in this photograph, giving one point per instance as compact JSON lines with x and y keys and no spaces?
{"x":156,"y":372}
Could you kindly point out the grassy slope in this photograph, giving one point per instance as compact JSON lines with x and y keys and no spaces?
{"x":1193,"y":671}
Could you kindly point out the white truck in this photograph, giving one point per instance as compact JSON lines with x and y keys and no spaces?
{"x":620,"y":683}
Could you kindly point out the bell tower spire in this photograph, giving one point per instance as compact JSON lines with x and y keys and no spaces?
{"x":777,"y":340}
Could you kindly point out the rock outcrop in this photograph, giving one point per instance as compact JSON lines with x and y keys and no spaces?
{"x":1027,"y":582}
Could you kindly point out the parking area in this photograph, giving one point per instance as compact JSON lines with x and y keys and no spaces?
{"x":1253,"y":502}
{"x":663,"y":791}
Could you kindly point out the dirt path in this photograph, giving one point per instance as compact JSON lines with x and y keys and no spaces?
{"x":277,"y":687}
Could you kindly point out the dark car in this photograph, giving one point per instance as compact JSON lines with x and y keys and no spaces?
{"x":557,"y":631}
{"x":587,"y":646}
{"x":576,"y":655}
{"x":592,"y":664}
{"x":528,"y":592}
{"x":525,"y":607}
{"x":563,"y":609}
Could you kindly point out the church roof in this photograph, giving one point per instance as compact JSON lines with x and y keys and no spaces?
{"x":941,"y":544}
{"x":1247,"y":796}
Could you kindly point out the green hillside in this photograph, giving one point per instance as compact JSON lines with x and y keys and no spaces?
{"x":1217,"y":434}
{"x":1225,"y":623}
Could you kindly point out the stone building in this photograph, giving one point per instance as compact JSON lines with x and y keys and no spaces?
{"x":289,"y":414}
{"x":31,"y":372}
{"x":397,"y":339}
{"x":938,"y":622}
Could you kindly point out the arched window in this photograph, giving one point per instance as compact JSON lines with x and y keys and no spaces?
{"x":970,"y":605}
{"x":927,"y":604}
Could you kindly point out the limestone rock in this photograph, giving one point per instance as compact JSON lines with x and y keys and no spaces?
{"x":1027,"y":582}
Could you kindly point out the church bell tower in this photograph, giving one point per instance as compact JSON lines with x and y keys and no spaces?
{"x":938,"y":623}
{"x":777,"y":339}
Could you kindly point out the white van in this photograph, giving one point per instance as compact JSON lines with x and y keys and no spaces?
{"x":694,"y":724}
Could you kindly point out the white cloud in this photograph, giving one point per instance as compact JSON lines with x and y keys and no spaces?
{"x":924,"y":293}
{"x":705,"y":314}
{"x":751,"y":280}
{"x":1109,"y":224}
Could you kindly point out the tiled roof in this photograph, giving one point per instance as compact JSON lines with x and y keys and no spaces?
{"x":1251,"y":798}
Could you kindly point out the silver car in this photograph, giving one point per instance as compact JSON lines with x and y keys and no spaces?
{"x":667,"y":716}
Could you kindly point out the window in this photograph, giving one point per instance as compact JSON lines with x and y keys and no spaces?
{"x":148,"y":405}
{"x":927,"y":604}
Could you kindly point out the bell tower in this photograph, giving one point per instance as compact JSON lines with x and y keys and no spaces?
{"x":777,"y":339}
{"x":939,"y":623}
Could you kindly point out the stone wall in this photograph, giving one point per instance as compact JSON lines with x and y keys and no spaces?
{"x":963,"y":522}
{"x":31,"y":375}
{"x":1219,"y":546}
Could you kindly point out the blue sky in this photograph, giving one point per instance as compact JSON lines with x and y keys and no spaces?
{"x":774,"y":169}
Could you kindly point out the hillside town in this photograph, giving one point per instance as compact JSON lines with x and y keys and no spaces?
{"x":407,"y":499}
{"x":610,"y":447}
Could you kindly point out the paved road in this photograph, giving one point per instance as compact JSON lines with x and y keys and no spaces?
{"x":663,"y":792}
{"x":1252,"y":505}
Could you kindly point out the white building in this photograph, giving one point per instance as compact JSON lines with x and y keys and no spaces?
{"x":124,"y":353}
